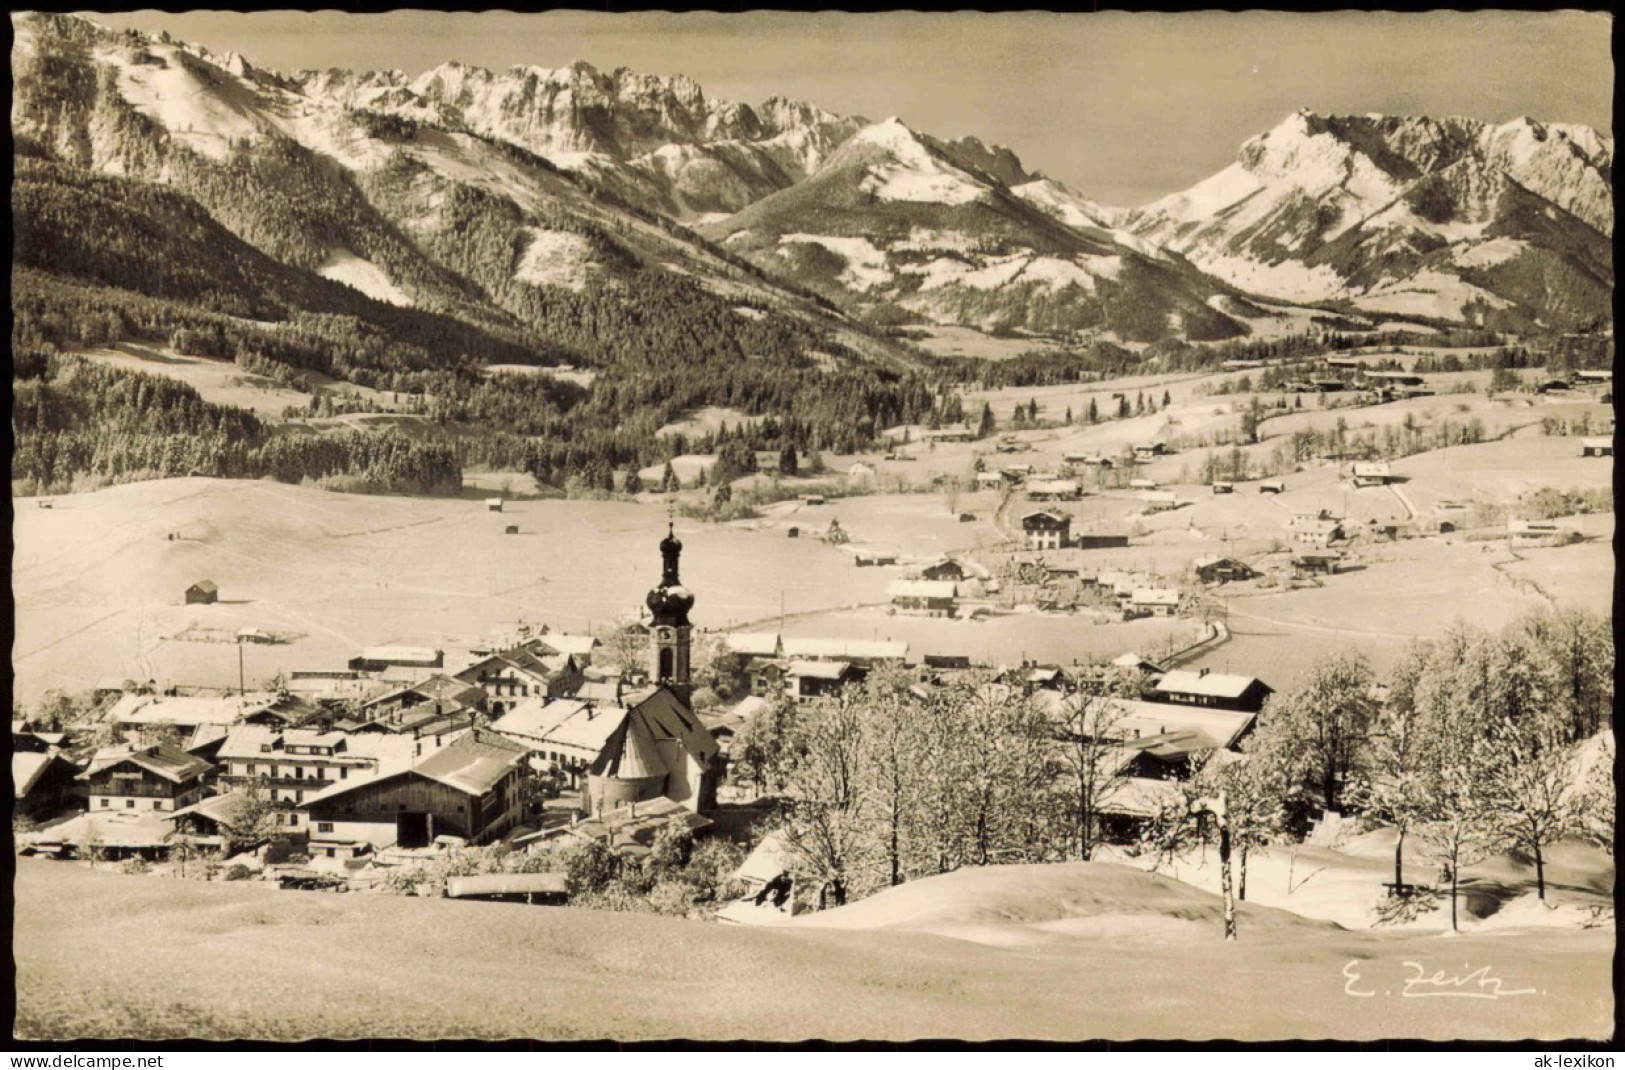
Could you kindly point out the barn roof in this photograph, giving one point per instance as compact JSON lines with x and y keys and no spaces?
{"x":1135,"y":719}
{"x":820,"y":670}
{"x":206,"y":586}
{"x":1044,"y":517}
{"x":27,"y":769}
{"x":185,"y":709}
{"x":922,"y":589}
{"x":1213,"y":684}
{"x":474,"y":762}
{"x":1155,"y":596}
{"x":581,"y":645}
{"x":220,"y":809}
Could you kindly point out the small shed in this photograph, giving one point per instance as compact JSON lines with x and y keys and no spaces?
{"x":493,"y":505}
{"x":966,"y":518}
{"x":202,"y":593}
{"x":1223,"y":488}
{"x":1596,"y":447}
{"x":1273,"y":486}
{"x":794,"y":533}
{"x":511,"y":529}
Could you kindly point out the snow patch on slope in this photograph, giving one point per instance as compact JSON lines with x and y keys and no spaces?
{"x":1427,"y":293}
{"x":555,"y":258}
{"x":361,"y":274}
{"x":207,"y":119}
{"x":1288,"y":280}
{"x":865,"y":264}
{"x":1488,"y":254}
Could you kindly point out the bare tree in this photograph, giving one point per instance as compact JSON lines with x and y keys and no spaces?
{"x":823,"y":805}
{"x":1533,"y":787}
{"x":1089,"y":732}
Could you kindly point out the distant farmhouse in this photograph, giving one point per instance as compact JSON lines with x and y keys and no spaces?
{"x":202,"y":593}
{"x":1045,"y":529}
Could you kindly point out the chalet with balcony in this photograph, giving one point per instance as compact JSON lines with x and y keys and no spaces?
{"x":160,"y":777}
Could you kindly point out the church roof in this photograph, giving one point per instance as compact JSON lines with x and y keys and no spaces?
{"x":630,"y":753}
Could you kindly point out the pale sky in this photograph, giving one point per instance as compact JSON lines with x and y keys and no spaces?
{"x":1124,"y":108}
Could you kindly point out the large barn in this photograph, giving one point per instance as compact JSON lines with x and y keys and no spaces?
{"x":469,"y":789}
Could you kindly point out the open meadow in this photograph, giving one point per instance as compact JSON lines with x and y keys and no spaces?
{"x":1070,"y":951}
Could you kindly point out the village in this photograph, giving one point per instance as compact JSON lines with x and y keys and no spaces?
{"x":1072,"y":633}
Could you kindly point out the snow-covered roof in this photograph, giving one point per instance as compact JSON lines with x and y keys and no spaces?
{"x":1155,"y":596}
{"x":753,"y":644}
{"x":922,"y":589}
{"x":1213,"y":684}
{"x":185,"y":709}
{"x":820,"y":670}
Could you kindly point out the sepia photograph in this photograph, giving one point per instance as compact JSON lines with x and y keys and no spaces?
{"x":791,"y":527}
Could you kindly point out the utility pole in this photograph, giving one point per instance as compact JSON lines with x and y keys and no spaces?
{"x":242,"y":686}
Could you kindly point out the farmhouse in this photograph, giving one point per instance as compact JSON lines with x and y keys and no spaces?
{"x":1272,"y":486}
{"x":1149,"y":450}
{"x":1371,"y":474}
{"x":753,"y":644}
{"x":933,"y":597}
{"x":1395,"y":378}
{"x":1214,"y":569}
{"x":946,"y":569}
{"x":1220,"y":487}
{"x":41,"y":784}
{"x":953,"y":433}
{"x":1046,"y":530}
{"x":1596,"y":447}
{"x":1052,"y":490}
{"x":1224,"y":691}
{"x":579,"y":647}
{"x":159,"y":777}
{"x":768,"y":885}
{"x":807,"y":680}
{"x":290,"y":765}
{"x":468,"y":789}
{"x":202,"y":593}
{"x":1534,"y":532}
{"x":518,"y":674}
{"x":990,"y":480}
{"x":1159,"y":501}
{"x":493,"y":505}
{"x":1136,"y":663}
{"x":1316,"y":531}
{"x":1154,"y":601}
{"x":1308,"y":562}
{"x":1142,"y":484}
{"x":1595,"y":375}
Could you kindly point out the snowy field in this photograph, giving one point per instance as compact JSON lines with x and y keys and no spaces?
{"x":1067,"y":952}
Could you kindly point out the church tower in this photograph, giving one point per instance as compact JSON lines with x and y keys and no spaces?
{"x":670,"y":631}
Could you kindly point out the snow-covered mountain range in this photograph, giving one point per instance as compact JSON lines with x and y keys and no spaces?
{"x":572,"y":178}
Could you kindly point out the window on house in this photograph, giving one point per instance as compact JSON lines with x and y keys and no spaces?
{"x":344,"y":772}
{"x":107,"y":802}
{"x":129,"y":804}
{"x":157,"y":804}
{"x":324,"y":826}
{"x":250,"y":771}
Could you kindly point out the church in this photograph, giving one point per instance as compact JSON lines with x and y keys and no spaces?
{"x":656,"y":746}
